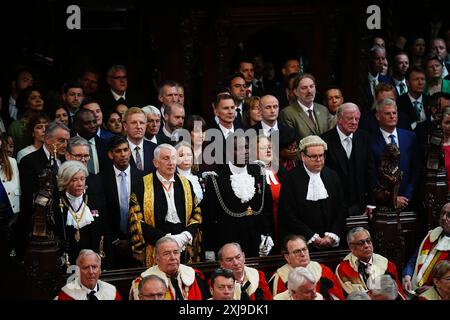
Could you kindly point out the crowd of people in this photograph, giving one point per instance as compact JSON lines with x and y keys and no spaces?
{"x":273,"y":172}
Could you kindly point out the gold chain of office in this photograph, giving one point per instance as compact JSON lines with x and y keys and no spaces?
{"x":247,"y":212}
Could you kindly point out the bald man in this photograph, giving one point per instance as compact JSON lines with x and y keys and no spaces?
{"x":350,"y":155}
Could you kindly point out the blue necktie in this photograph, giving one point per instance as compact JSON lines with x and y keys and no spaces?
{"x":123,"y":199}
{"x":392,"y":137}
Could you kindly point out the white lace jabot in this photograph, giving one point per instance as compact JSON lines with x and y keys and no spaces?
{"x":86,"y":217}
{"x":316,"y":188}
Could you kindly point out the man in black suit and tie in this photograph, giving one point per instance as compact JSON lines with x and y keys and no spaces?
{"x":118,"y":178}
{"x":246,"y":68}
{"x":376,"y":62}
{"x":135,"y":124}
{"x":153,"y":126}
{"x":269,"y":113}
{"x":415,"y":105}
{"x":350,"y":155}
{"x":117,"y":79}
{"x":55,"y":142}
{"x":238,"y":87}
{"x":85,"y":125}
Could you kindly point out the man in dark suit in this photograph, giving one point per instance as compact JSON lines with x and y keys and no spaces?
{"x":135,"y":123}
{"x":117,"y":193}
{"x":117,"y":80}
{"x":85,"y":125}
{"x":238,"y":87}
{"x":55,"y":142}
{"x":93,"y":105}
{"x":246,"y":68}
{"x":415,"y":105}
{"x":350,"y":155}
{"x":153,"y":126}
{"x":311,"y":199}
{"x":269,"y":115}
{"x":410,"y":156}
{"x":306,"y":116}
{"x":376,"y":61}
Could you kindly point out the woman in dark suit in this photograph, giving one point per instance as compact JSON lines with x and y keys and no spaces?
{"x":79,"y":217}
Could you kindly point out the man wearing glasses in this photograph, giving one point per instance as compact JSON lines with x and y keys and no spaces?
{"x":362,"y":265}
{"x":117,"y":91}
{"x":295,"y":252}
{"x":434,"y":248}
{"x":152,"y":287}
{"x":311,"y":200}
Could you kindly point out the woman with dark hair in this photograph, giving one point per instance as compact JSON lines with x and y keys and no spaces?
{"x":36,"y":128}
{"x":113,"y":122}
{"x":417,"y":52}
{"x":29,"y":103}
{"x":61,"y":114}
{"x":9,"y":175}
{"x":196,"y":125}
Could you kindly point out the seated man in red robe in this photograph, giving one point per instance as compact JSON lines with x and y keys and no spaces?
{"x":87,"y":286}
{"x":296,"y":254}
{"x":362,"y":265}
{"x":251,"y":284}
{"x":183,"y":282}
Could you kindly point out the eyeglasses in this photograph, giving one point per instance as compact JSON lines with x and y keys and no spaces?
{"x":316,"y":157}
{"x":298,"y":252}
{"x":80,"y":157}
{"x":360,"y":243}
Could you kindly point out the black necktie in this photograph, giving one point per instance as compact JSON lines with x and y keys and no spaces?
{"x":244,"y":294}
{"x":362,"y":271}
{"x":121,"y":100}
{"x":238,"y":115}
{"x":91,"y":295}
{"x":178,"y":294}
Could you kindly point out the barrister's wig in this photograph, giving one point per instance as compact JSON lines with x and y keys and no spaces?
{"x":311,"y":141}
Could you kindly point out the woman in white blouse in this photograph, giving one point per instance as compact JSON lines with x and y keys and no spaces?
{"x":184,"y":167}
{"x":9,"y":173}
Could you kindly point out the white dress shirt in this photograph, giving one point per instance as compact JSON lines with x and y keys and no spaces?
{"x":168,"y":185}
{"x":141,"y":150}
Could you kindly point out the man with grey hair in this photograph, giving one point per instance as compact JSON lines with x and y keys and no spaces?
{"x":87,"y":285}
{"x":311,"y":200}
{"x":153,"y":126}
{"x":164,"y":203}
{"x":251,"y":284}
{"x":383,"y":287}
{"x":301,"y":286}
{"x":410,"y":157}
{"x":152,"y":287}
{"x":350,"y":155}
{"x":362,"y":266}
{"x":31,"y":166}
{"x":182,"y":282}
